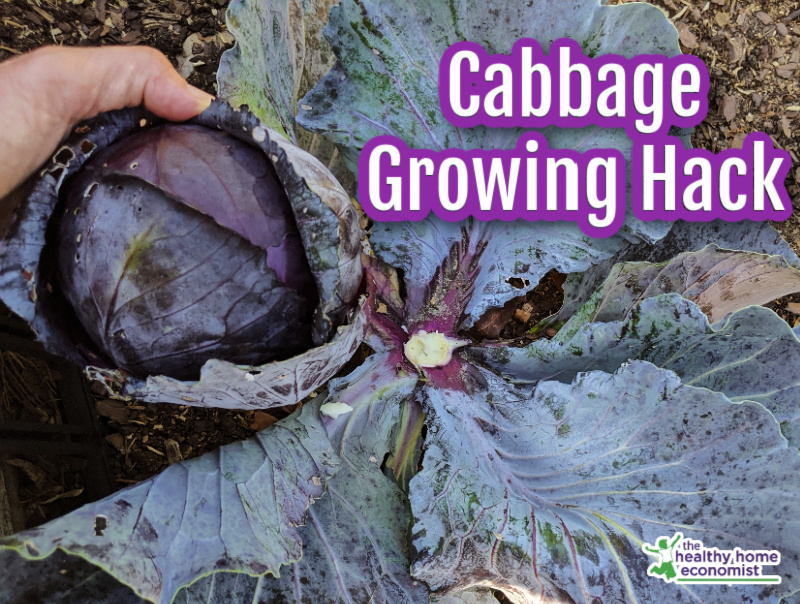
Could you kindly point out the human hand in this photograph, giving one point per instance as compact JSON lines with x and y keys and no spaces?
{"x":45,"y":92}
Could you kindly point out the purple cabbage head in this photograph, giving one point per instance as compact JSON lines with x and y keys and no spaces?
{"x":178,"y":244}
{"x":156,"y":248}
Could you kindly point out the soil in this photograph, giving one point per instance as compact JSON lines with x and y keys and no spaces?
{"x":753,"y":54}
{"x":192,"y":34}
{"x":30,"y":393}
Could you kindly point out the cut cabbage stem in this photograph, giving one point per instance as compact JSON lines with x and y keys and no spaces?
{"x":426,"y":350}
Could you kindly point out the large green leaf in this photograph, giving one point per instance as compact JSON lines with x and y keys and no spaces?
{"x":745,"y":358}
{"x":237,"y":508}
{"x":511,"y":249}
{"x":386,"y":82}
{"x":354,"y":541}
{"x":279,"y":54}
{"x":629,"y":317}
{"x":552,"y":495}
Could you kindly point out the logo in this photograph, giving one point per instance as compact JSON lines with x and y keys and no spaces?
{"x":684,"y":560}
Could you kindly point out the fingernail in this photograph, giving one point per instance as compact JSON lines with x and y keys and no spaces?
{"x":203,"y":98}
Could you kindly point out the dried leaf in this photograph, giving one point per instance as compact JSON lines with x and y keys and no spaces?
{"x":262,"y":420}
{"x":66,"y":495}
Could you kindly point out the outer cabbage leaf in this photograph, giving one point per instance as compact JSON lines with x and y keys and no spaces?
{"x":386,"y":82}
{"x":355,"y":539}
{"x":684,"y":236}
{"x":230,"y":386}
{"x":718,"y":281}
{"x":552,"y":495}
{"x":746,"y":358}
{"x":279,"y":54}
{"x":237,"y":508}
{"x":746,"y":236}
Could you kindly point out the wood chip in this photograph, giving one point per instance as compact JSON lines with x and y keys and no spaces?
{"x":730,"y":104}
{"x":736,"y":48}
{"x":113,"y":410}
{"x":44,"y":14}
{"x":686,"y":37}
{"x":763,"y":17}
{"x":164,"y":16}
{"x":117,"y":21}
{"x":116,"y":440}
{"x":722,"y":19}
{"x":173,"y":451}
{"x":156,"y":451}
{"x":493,"y":320}
{"x":100,"y":10}
{"x":793,"y":307}
{"x":787,"y":130}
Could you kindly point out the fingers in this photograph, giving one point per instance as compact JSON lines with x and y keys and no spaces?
{"x":45,"y":92}
{"x":132,"y":76}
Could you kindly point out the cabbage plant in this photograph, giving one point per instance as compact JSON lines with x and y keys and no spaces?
{"x":442,"y":468}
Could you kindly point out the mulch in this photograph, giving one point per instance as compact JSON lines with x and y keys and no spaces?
{"x":752,"y":50}
{"x":192,"y":34}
